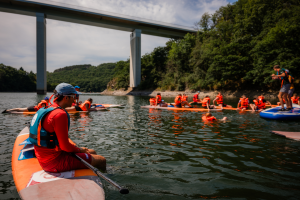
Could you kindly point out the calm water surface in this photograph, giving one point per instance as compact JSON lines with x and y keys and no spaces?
{"x":160,"y":154}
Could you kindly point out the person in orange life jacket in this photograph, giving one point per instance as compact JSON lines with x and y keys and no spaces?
{"x":219,"y":99}
{"x":285,"y":86}
{"x":209,"y":117}
{"x":244,"y":102}
{"x":184,"y":100}
{"x":179,"y":102}
{"x":206,"y":103}
{"x":158,"y":99}
{"x":259,"y":103}
{"x":58,"y":156}
{"x":295,"y":99}
{"x":43,"y":104}
{"x":196,"y":98}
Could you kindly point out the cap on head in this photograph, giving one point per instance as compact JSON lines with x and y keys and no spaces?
{"x":65,"y":88}
{"x":46,"y":98}
{"x":198,"y":92}
{"x":77,"y":87}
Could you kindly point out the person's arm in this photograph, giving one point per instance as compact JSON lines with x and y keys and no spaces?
{"x":238,"y":105}
{"x":281,"y":75}
{"x":215,"y":100}
{"x":87,"y":107}
{"x":60,"y":124}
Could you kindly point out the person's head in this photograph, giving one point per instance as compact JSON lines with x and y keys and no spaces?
{"x":65,"y":94}
{"x":158,"y":93}
{"x":90,"y":100}
{"x":244,"y":96}
{"x":208,"y":114}
{"x":295,"y":95}
{"x":207,"y":96}
{"x":198,"y":92}
{"x":46,"y":99}
{"x":220,"y":93}
{"x":276,"y":67}
{"x":179,"y":94}
{"x":77,"y":88}
{"x":184,"y":94}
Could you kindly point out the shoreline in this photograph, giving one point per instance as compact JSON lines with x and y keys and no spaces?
{"x":226,"y":94}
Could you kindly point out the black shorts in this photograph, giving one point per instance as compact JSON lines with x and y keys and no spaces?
{"x":31,"y":109}
{"x":178,"y":106}
{"x":223,"y":105}
{"x":78,"y":108}
{"x":210,"y":107}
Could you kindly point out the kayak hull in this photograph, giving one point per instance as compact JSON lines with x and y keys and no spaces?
{"x":24,"y":171}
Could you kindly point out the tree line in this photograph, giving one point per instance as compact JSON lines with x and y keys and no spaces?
{"x":235,"y":48}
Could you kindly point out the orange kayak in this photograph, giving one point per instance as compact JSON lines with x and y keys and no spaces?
{"x":34,"y":183}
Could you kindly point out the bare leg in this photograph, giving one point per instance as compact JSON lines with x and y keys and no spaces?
{"x":280,"y":99}
{"x":186,"y":103}
{"x":253,"y":107}
{"x":284,"y":96}
{"x":99,"y":162}
{"x":17,"y":110}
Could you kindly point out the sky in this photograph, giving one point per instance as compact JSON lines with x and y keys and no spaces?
{"x":73,"y":44}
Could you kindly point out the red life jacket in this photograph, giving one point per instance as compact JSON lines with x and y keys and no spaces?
{"x":220,"y":99}
{"x":255,"y":102}
{"x":295,"y":100}
{"x":261,"y":104}
{"x":205,"y":101}
{"x":177,"y":100}
{"x":211,"y":118}
{"x":184,"y":98}
{"x":152,"y":101}
{"x":244,"y":102}
{"x":43,"y":102}
{"x":158,"y":99}
{"x":82,"y":106}
{"x":283,"y":100}
{"x":196,"y":98}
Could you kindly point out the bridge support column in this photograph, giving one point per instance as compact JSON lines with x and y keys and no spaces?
{"x":41,"y":61}
{"x":135,"y":58}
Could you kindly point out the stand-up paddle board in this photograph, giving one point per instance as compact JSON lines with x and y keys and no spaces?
{"x":183,"y":109}
{"x":111,"y":105}
{"x":32,"y":182}
{"x":290,"y":135}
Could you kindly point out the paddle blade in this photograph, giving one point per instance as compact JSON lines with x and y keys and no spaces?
{"x":124,"y":191}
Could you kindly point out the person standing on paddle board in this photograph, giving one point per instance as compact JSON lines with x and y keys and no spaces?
{"x":285,"y":87}
{"x":43,"y":104}
{"x":49,"y":133}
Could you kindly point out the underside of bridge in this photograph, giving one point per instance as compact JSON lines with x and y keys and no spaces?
{"x":57,"y":11}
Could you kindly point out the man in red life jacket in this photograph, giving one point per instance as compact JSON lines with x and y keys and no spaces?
{"x":285,"y":86}
{"x":244,"y":102}
{"x":43,"y":104}
{"x":206,"y":103}
{"x":209,"y":117}
{"x":196,"y":98}
{"x":60,"y":158}
{"x":219,"y":99}
{"x":259,"y":103}
{"x":295,"y":99}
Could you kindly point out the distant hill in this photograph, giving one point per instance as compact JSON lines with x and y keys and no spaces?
{"x":87,"y":77}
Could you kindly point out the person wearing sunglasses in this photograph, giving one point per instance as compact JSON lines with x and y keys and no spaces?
{"x":49,"y":133}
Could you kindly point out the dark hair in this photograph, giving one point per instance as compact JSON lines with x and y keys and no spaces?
{"x":207,"y":96}
{"x":158,"y":93}
{"x":276,"y":66}
{"x":57,"y":96}
{"x":90,"y":99}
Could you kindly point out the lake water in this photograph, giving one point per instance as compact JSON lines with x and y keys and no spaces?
{"x":161,"y":154}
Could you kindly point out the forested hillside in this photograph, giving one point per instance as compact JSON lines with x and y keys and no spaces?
{"x":12,"y":79}
{"x":235,"y":48}
{"x":88,"y":77}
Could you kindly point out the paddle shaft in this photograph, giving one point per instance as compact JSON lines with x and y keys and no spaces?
{"x":96,"y":171}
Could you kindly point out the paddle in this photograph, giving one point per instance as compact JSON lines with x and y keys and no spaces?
{"x":99,"y":174}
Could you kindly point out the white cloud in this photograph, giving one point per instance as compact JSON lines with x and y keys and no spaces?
{"x":72,"y":44}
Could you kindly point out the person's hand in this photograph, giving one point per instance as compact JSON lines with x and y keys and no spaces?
{"x":84,"y":150}
{"x":273,"y":75}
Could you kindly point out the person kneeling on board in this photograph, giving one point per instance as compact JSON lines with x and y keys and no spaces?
{"x":196,"y":99}
{"x":295,"y":99}
{"x":259,"y":103}
{"x":244,"y":102}
{"x":209,"y":117}
{"x":86,"y":106}
{"x":219,"y":99}
{"x":206,"y":103}
{"x":49,"y":133}
{"x":179,"y":103}
{"x":43,"y":104}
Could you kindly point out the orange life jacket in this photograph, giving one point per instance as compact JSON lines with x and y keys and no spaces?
{"x":152,"y":101}
{"x":158,"y":98}
{"x":255,"y":102}
{"x":43,"y":102}
{"x":283,"y":100}
{"x":184,"y":98}
{"x":205,"y":101}
{"x":220,"y":99}
{"x":295,"y":100}
{"x":244,"y":102}
{"x":196,"y":98}
{"x":261,"y":104}
{"x":211,"y":118}
{"x":261,"y":98}
{"x":82,"y":106}
{"x":177,"y":100}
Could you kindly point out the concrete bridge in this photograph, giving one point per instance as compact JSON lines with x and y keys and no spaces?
{"x":43,"y":9}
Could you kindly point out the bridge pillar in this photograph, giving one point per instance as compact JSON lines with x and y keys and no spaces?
{"x":41,"y":61}
{"x":135,"y":58}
